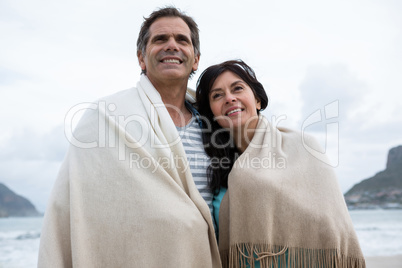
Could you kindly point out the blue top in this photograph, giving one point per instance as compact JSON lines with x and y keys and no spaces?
{"x":216,"y":203}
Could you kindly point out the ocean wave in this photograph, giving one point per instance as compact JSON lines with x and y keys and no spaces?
{"x":367,"y":229}
{"x":378,"y":229}
{"x":29,"y":235}
{"x":19,"y":235}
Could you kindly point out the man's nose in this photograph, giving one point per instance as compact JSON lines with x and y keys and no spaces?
{"x":171,"y":45}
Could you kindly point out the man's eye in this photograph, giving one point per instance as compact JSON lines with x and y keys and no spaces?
{"x":159,"y":39}
{"x":183,"y":39}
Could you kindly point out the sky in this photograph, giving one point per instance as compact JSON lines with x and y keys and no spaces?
{"x":330,"y":68}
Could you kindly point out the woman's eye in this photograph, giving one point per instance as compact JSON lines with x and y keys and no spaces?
{"x":238,"y":88}
{"x":216,"y":95}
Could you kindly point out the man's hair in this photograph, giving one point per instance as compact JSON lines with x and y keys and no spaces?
{"x":143,"y":36}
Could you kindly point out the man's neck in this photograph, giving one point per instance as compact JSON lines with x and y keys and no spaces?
{"x":173,"y":96}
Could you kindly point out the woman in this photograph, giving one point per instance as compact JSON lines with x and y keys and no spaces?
{"x":276,"y":204}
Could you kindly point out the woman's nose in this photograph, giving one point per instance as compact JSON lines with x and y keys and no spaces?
{"x":230,"y":98}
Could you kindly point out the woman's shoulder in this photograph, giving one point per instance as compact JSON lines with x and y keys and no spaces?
{"x":293,"y":137}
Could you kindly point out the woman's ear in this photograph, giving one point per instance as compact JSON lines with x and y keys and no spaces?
{"x":258,"y":104}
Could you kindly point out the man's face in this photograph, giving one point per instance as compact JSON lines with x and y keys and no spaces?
{"x":169,"y":52}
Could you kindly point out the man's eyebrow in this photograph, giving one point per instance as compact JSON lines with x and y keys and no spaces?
{"x":159,"y":36}
{"x":183,"y":36}
{"x":166,"y":36}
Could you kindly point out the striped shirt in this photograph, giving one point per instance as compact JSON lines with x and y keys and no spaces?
{"x":197,"y":158}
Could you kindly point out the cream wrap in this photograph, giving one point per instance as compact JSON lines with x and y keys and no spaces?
{"x":280,"y":197}
{"x":128,"y":199}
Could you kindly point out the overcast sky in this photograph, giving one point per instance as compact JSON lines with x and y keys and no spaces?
{"x":310,"y":55}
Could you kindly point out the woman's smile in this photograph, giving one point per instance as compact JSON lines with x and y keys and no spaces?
{"x":232,"y":102}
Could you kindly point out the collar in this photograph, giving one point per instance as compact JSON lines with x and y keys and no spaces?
{"x":194,"y":111}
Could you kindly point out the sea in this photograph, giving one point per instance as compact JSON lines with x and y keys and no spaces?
{"x":379,"y":233}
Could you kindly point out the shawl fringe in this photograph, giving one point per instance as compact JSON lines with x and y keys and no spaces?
{"x":275,"y":256}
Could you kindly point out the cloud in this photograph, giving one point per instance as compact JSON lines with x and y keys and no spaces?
{"x":28,"y":145}
{"x":8,"y":76}
{"x":31,"y":179}
{"x":59,"y":53}
{"x":324,"y":84}
{"x":29,"y":162}
{"x":366,"y":127}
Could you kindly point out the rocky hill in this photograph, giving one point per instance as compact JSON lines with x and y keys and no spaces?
{"x":13,"y":205}
{"x":383,"y":190}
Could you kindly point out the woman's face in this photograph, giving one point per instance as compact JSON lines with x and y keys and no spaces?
{"x":233,"y":102}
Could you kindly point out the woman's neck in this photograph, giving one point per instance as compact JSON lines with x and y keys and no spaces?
{"x":243,"y":136}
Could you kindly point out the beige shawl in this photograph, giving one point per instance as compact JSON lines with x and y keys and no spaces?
{"x":125,"y":196}
{"x":280,"y":197}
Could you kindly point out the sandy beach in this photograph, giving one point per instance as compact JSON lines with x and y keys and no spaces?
{"x":384,"y":261}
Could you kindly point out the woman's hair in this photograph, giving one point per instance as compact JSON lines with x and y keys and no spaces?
{"x":217,"y":141}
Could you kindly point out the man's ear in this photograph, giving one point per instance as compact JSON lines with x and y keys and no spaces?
{"x":141,"y":60}
{"x":196,"y":61}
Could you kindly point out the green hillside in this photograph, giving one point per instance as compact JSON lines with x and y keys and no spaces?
{"x":13,"y":205}
{"x":383,"y":190}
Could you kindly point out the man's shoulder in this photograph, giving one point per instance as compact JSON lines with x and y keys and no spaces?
{"x":124,"y":102}
{"x":122,"y":95}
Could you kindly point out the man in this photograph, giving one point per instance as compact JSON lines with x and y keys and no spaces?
{"x":125,"y":196}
